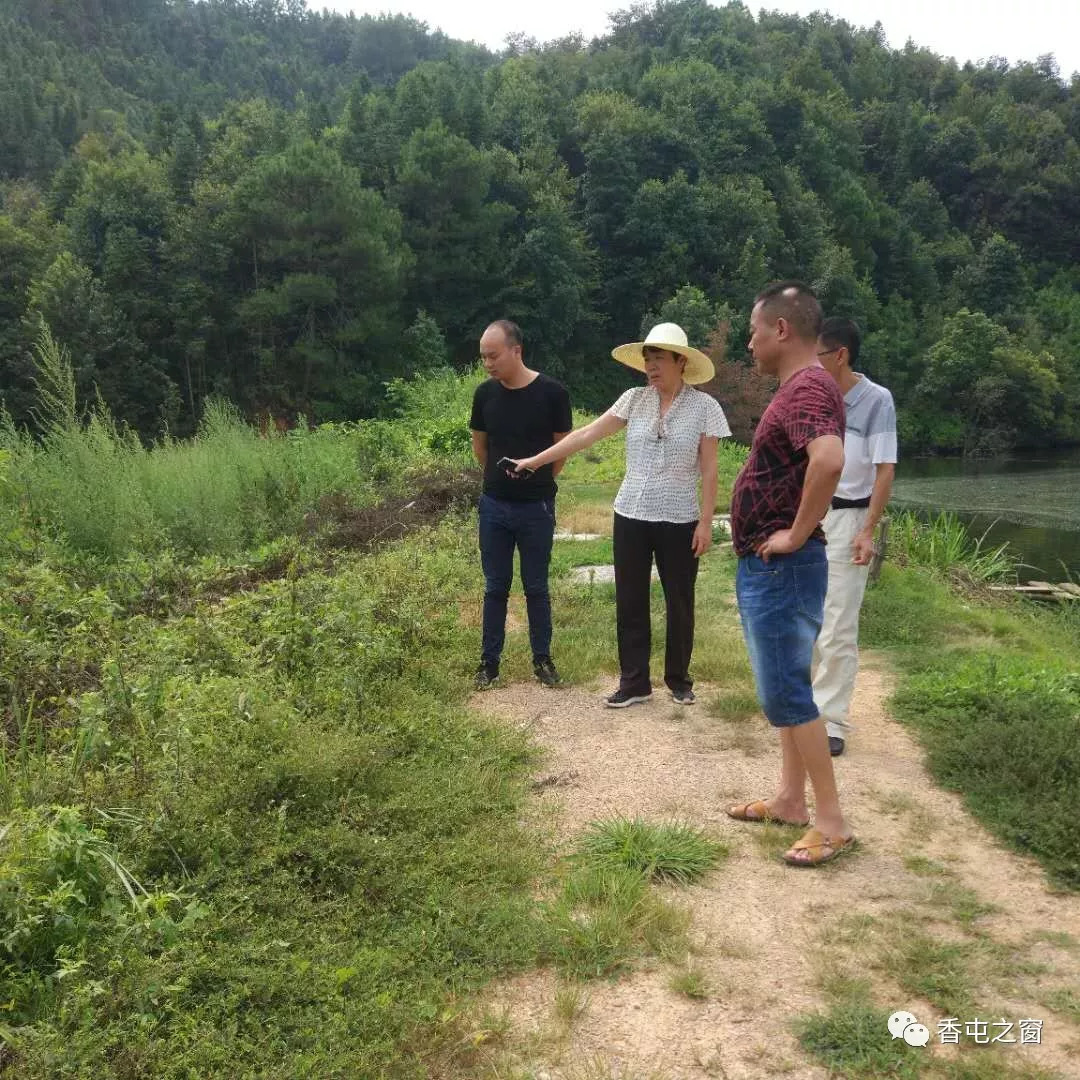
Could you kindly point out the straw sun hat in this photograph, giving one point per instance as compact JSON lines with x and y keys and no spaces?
{"x":670,"y":336}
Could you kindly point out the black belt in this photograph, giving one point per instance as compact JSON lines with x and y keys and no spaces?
{"x":850,"y":504}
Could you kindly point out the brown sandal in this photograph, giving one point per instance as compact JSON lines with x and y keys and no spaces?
{"x":759,"y":812}
{"x":816,"y":843}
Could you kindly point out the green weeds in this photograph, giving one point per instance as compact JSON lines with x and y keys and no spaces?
{"x":943,"y":544}
{"x":669,"y":851}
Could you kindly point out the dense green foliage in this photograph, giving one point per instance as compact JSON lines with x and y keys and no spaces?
{"x":246,"y":825}
{"x":245,"y":199}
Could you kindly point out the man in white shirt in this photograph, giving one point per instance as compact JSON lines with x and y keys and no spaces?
{"x":860,"y":499}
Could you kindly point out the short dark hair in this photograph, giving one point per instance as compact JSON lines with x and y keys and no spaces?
{"x":796,"y":302}
{"x":841,"y":333}
{"x":511,"y":331}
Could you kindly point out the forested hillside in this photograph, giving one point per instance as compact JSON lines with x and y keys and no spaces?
{"x":243,"y":198}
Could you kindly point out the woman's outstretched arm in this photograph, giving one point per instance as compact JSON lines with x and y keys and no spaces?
{"x":603,"y":426}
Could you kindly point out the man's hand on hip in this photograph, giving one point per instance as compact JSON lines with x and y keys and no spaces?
{"x":780,"y":543}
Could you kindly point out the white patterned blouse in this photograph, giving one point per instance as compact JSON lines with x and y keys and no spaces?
{"x":662,"y":469}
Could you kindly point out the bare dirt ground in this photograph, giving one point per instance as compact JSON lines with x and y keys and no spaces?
{"x":764,"y":934}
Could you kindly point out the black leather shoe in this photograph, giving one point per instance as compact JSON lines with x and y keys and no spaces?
{"x":836,"y":745}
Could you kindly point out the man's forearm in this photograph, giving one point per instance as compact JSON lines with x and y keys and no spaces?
{"x":879,"y":497}
{"x":818,"y":488}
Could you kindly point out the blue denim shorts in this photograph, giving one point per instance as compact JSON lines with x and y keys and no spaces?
{"x":781,"y":603}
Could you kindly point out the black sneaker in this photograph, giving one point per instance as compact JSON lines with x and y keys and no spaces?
{"x":836,"y":745}
{"x":683,"y":697}
{"x":485,"y":677}
{"x":544,"y":670}
{"x":621,"y":698}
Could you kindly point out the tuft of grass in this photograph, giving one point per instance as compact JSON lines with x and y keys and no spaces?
{"x":852,"y":1039}
{"x":571,"y":1001}
{"x":691,"y":983}
{"x":734,"y":704}
{"x":1064,"y":1000}
{"x":963,"y":904}
{"x":924,"y":867}
{"x":669,"y":851}
{"x":665,"y":928}
{"x":595,"y":923}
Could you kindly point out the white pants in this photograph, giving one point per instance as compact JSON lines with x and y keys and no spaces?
{"x":836,"y":653}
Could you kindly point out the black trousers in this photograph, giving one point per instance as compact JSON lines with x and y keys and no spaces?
{"x":636,"y":543}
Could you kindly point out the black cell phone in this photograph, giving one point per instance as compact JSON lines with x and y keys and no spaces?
{"x":509,"y":466}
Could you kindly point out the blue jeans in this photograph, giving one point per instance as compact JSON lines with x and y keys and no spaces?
{"x":530,"y":527}
{"x":781,"y":605}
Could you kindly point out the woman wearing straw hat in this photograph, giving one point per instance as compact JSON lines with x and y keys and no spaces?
{"x":672,"y":431}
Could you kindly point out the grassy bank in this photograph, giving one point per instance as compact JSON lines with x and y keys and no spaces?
{"x":247,"y":826}
{"x":992,"y":689}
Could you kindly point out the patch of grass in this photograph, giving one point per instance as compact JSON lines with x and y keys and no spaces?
{"x":990,"y":688}
{"x":296,"y":760}
{"x":692,"y":983}
{"x":666,"y":928}
{"x":1002,"y":731}
{"x":666,"y":851}
{"x":596,"y":920}
{"x":852,"y":1040}
{"x":1058,"y":938}
{"x":772,"y":839}
{"x":925,"y":967}
{"x":571,"y":1001}
{"x":98,"y":490}
{"x":1066,"y":1001}
{"x":840,"y":985}
{"x":735,"y":704}
{"x":962,"y":903}
{"x":924,"y":867}
{"x":570,"y":553}
{"x":906,"y":608}
{"x":978,"y":1063}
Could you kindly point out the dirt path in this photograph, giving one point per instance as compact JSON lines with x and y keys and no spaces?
{"x":765,"y":934}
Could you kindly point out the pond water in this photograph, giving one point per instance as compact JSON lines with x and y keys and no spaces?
{"x":1030,"y":499}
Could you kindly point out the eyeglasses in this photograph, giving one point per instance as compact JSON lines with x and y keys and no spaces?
{"x":827,"y":352}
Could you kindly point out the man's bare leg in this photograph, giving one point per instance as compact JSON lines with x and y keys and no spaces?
{"x":810,"y":742}
{"x":789,"y":802}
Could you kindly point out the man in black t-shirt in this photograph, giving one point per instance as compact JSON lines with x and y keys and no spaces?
{"x":515,"y":414}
